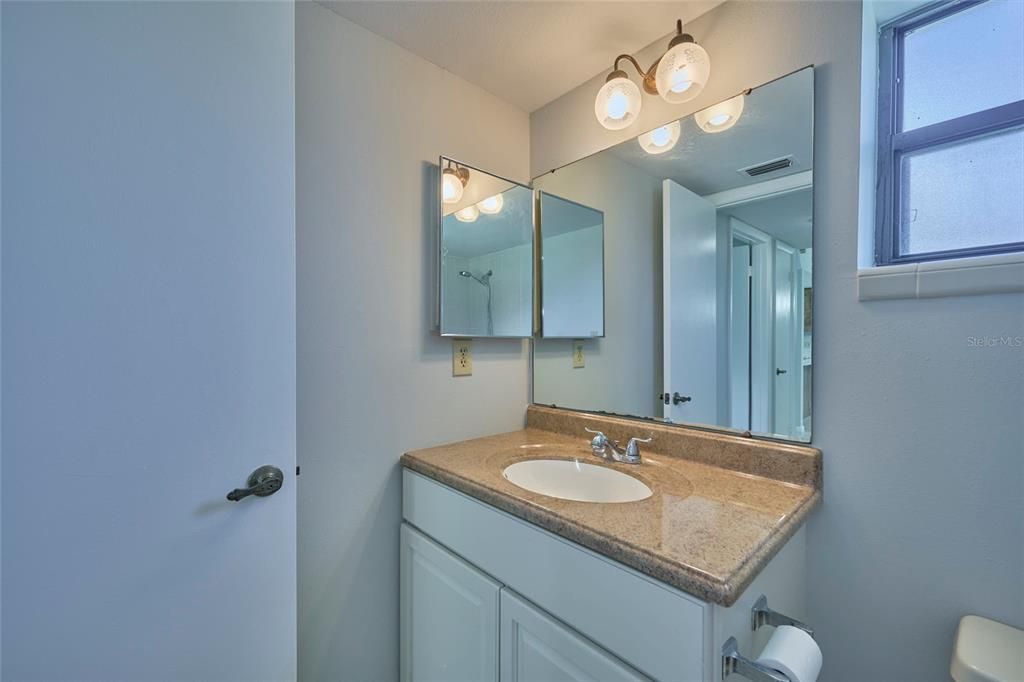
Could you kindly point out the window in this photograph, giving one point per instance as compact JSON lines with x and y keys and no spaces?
{"x":951,"y":132}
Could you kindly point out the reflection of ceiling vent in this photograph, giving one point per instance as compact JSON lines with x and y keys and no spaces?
{"x":768,"y":167}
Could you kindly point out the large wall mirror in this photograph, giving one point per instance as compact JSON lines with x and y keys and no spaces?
{"x":707,"y":223}
{"x":486,"y":273}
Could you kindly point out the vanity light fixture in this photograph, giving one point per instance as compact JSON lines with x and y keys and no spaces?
{"x":721,"y":116}
{"x":677,"y":76}
{"x":618,"y":101}
{"x":453,"y":182}
{"x":468,"y":214}
{"x":660,"y":140}
{"x":491,"y":205}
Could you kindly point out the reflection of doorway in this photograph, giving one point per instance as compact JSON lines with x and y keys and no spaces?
{"x":750,"y":333}
{"x":766,"y":231}
{"x":787,"y":417}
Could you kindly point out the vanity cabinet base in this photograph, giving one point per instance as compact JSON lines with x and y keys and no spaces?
{"x":561,"y":611}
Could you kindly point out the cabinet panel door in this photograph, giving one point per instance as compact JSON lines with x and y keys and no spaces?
{"x":449,"y":615}
{"x":537,"y":648}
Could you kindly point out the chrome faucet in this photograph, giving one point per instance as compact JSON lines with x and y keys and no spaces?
{"x":601,"y":444}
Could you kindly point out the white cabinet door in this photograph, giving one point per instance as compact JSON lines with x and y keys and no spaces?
{"x":537,"y":648}
{"x":449,"y":615}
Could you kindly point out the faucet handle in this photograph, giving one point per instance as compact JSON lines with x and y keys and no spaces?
{"x":633,"y":446}
{"x":599,"y":442}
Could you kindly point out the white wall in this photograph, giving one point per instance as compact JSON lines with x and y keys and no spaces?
{"x":623,"y":370}
{"x":923,"y":518}
{"x":373,"y":381}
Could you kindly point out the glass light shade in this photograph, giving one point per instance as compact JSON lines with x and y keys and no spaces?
{"x":660,"y":140}
{"x":682,"y":73}
{"x":491,"y":205}
{"x":468,"y":214}
{"x":451,"y":186}
{"x":618,"y":103}
{"x":721,"y":116}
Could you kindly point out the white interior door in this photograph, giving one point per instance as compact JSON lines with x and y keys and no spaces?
{"x":739,"y":336}
{"x":148,"y":340}
{"x":788,"y":367}
{"x":690,"y":284}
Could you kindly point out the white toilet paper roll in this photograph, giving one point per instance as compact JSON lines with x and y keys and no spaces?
{"x":793,"y":653}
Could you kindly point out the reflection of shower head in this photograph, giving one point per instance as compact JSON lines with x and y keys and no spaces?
{"x":484,"y":279}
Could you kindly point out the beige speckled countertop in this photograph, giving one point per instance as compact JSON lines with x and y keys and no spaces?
{"x":706,"y":530}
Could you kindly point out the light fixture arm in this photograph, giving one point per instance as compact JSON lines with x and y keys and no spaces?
{"x":648,"y":76}
{"x":650,"y":87}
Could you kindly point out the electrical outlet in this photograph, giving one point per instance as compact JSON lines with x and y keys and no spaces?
{"x":462,"y":357}
{"x":578,"y":359}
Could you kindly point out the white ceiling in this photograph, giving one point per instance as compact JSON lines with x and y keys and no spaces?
{"x":777,"y":121}
{"x":526,"y":53}
{"x":786,"y":217}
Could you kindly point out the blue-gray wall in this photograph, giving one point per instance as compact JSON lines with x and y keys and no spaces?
{"x":923,"y":519}
{"x":373,"y":380}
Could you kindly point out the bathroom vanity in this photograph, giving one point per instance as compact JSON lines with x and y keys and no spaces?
{"x":500,"y":582}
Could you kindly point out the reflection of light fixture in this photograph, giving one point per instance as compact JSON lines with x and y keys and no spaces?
{"x":453,"y":182}
{"x":678,"y":76}
{"x":468,"y":214}
{"x":660,"y":140}
{"x":491,"y":205}
{"x":721,"y":116}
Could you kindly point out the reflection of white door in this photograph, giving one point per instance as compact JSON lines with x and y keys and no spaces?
{"x":788,"y":367}
{"x":148,"y":340}
{"x":739,"y":337}
{"x":690,"y":284}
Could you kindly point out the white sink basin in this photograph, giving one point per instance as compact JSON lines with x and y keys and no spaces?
{"x":575,"y":480}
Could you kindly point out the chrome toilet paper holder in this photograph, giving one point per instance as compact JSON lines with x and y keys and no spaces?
{"x":760,"y":615}
{"x":734,"y":662}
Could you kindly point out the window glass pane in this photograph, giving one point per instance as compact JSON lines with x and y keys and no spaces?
{"x":961,"y":195}
{"x":970,"y":61}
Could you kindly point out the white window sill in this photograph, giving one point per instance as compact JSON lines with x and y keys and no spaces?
{"x":996,"y":274}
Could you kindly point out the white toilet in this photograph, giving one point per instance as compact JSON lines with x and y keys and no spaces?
{"x":987,"y":651}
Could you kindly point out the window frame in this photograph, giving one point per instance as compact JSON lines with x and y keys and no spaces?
{"x":893,"y":144}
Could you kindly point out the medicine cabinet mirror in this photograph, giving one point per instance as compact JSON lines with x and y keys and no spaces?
{"x":487,"y":254}
{"x":708,"y":223}
{"x":572,"y":268}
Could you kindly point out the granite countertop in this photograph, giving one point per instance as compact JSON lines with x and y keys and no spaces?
{"x":706,"y":530}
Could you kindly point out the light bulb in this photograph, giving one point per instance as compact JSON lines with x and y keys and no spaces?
{"x":491,"y":205}
{"x":681,"y":81}
{"x":721,"y":116}
{"x":468,"y":214}
{"x":618,"y":102}
{"x":451,"y":186}
{"x":683,"y":71}
{"x":660,"y":140}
